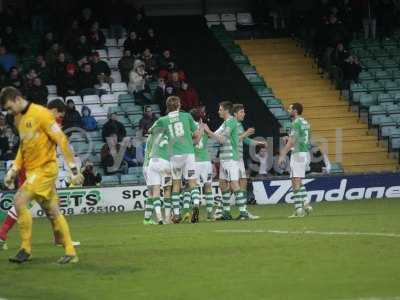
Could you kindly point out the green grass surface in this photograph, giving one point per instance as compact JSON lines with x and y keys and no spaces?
{"x":319,"y":257}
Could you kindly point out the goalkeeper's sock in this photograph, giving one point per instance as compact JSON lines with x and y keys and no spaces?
{"x":186,"y":201}
{"x":8,"y":223}
{"x":297,"y":200}
{"x":209,"y":202}
{"x":148,"y":212}
{"x":167,"y":208}
{"x":195,"y":195}
{"x":241,"y":201}
{"x":25,"y":228}
{"x":157,"y":208}
{"x":175,"y":204}
{"x":60,"y":223}
{"x":226,"y":196}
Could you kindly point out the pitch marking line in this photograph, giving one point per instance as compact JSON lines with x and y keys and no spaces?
{"x":312,"y":232}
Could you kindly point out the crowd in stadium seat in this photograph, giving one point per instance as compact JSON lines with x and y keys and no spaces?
{"x":114,"y":81}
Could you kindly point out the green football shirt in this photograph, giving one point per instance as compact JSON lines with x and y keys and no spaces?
{"x":300,"y":131}
{"x":229,"y":149}
{"x":200,"y":150}
{"x":178,"y":127}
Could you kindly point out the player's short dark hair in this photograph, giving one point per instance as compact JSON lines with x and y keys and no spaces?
{"x":173,"y":103}
{"x":196,"y":114}
{"x":57,"y":104}
{"x":297,"y":107}
{"x":9,"y":93}
{"x":237,"y":107}
{"x":226,"y":105}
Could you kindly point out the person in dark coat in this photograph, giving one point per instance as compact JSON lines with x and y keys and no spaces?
{"x":38,"y":92}
{"x":69,"y":85}
{"x":72,"y":117}
{"x":113,"y":126}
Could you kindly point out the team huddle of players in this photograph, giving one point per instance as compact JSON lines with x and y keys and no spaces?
{"x":177,"y":166}
{"x":177,"y":161}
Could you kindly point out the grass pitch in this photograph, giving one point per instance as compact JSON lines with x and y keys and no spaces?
{"x":345,"y":250}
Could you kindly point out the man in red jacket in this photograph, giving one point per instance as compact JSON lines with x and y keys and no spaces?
{"x":189,"y":96}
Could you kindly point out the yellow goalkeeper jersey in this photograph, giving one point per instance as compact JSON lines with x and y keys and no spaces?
{"x":39,"y":136}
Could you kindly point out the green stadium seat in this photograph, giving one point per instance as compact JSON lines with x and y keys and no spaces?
{"x":97,"y":147}
{"x":365,"y":76}
{"x":255,"y":80}
{"x":374,"y":87}
{"x":110,"y":180}
{"x":385,"y":97}
{"x":280,"y":113}
{"x":247,"y":69}
{"x":240,"y":58}
{"x":336,"y":168}
{"x":128,"y":179}
{"x":263,"y":91}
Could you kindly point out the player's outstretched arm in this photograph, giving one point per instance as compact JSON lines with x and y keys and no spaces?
{"x":214,"y":135}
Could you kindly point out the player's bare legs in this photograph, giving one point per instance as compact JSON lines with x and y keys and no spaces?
{"x":167,"y":204}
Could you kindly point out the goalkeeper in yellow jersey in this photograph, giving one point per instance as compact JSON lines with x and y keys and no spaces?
{"x":39,"y":136}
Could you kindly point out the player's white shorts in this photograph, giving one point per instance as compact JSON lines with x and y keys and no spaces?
{"x":183,"y":166}
{"x":229,"y":170}
{"x":145,"y":170}
{"x":298,"y":164}
{"x":158,"y":172}
{"x":242,"y":169}
{"x":204,"y":172}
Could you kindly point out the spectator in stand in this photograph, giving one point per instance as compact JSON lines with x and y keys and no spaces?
{"x":109,"y":153}
{"x":72,"y":117}
{"x":319,"y":162}
{"x":7,"y":60}
{"x":59,"y":67}
{"x":147,"y":120}
{"x":100,"y":68}
{"x":91,"y":178}
{"x":81,"y":48}
{"x":165,"y":60}
{"x":42,"y":69}
{"x":52,"y":54}
{"x":13,"y":144}
{"x":189,"y":97}
{"x":133,"y":44}
{"x":69,"y":85}
{"x":281,"y":169}
{"x":113,"y":126}
{"x":351,"y":70}
{"x":175,"y":80}
{"x":3,"y":138}
{"x":96,"y":37}
{"x":130,"y":154}
{"x":116,"y":17}
{"x":29,"y":77}
{"x":151,"y":41}
{"x":262,"y":157}
{"x":87,"y":80}
{"x":10,"y":40}
{"x":160,"y":95}
{"x":71,"y":36}
{"x":339,"y":55}
{"x":38,"y":92}
{"x":138,"y":84}
{"x":140,"y":24}
{"x":369,"y":10}
{"x":150,"y":63}
{"x":47,"y":42}
{"x":125,"y":65}
{"x":86,"y":19}
{"x":14,"y":79}
{"x":88,"y":121}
